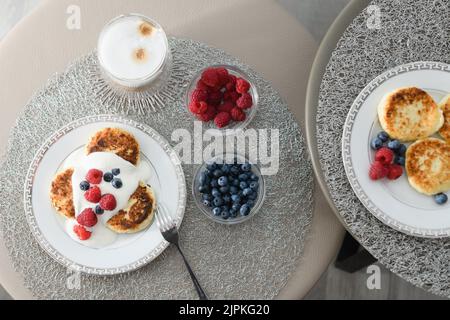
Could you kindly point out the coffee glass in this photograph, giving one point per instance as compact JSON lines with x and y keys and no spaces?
{"x":133,"y":52}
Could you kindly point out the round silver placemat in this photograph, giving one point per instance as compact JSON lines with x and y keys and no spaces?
{"x":409,"y":31}
{"x":253,"y":260}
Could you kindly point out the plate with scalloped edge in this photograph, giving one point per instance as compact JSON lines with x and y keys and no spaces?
{"x":129,"y":251}
{"x":395,"y":203}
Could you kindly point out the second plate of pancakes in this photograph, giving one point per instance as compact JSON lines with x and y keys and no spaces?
{"x":395,"y":203}
{"x":129,"y":251}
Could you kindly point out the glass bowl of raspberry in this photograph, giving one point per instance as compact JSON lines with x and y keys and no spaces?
{"x":228,"y":189}
{"x":223,"y":97}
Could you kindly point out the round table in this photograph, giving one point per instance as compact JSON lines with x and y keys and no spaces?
{"x":42,"y":45}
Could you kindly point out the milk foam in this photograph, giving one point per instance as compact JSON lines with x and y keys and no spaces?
{"x":132,"y":50}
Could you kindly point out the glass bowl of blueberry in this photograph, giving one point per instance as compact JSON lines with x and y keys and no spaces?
{"x":228,"y":189}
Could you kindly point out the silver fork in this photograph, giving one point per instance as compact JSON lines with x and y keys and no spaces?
{"x":169,"y":231}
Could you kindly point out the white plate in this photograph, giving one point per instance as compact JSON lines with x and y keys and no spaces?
{"x":395,"y":203}
{"x":129,"y":252}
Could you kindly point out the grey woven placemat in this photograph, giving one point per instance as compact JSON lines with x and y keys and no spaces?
{"x":253,"y":260}
{"x":410,"y":31}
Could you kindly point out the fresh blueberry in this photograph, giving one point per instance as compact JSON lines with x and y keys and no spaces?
{"x":233,"y":190}
{"x":402,"y":150}
{"x":236,"y":198}
{"x":108,"y":177}
{"x":225,"y":214}
{"x":233,"y":213}
{"x":216,"y":211}
{"x":253,"y":196}
{"x":243,"y":185}
{"x":215,"y":192}
{"x":246,"y":167}
{"x":383,"y":136}
{"x":217,"y":173}
{"x":247,"y":191}
{"x":217,"y":201}
{"x":400,"y":160}
{"x":203,"y":189}
{"x":84,"y":185}
{"x":441,"y":198}
{"x":207,"y":196}
{"x":236,"y":182}
{"x":245,"y":210}
{"x":254,"y":185}
{"x":394,"y":145}
{"x":236,"y":206}
{"x":251,"y":203}
{"x":207,"y":203}
{"x":226,"y":198}
{"x":376,"y":144}
{"x":223,"y":181}
{"x":226,"y":168}
{"x":211,"y":167}
{"x":204,"y":179}
{"x":115,"y":171}
{"x":254,"y":177}
{"x":224,"y":189}
{"x":234,"y":170}
{"x":117,"y":183}
{"x":99,"y":210}
{"x":243,"y":177}
{"x":214,"y":183}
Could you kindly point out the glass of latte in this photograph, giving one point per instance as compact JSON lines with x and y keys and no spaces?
{"x":133,"y":52}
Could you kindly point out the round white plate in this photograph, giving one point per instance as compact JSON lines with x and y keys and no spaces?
{"x":128,"y":252}
{"x":395,"y":203}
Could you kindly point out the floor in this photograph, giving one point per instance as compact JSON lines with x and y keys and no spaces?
{"x":316,"y":16}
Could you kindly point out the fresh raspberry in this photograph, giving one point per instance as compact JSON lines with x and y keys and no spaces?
{"x":245,"y":101}
{"x":208,"y":115}
{"x":378,"y":171}
{"x":210,"y":77}
{"x":199,"y":95}
{"x":232,"y":96}
{"x":384,"y":155}
{"x":395,"y":172}
{"x":93,"y":195}
{"x":227,"y":106}
{"x":223,"y":75}
{"x":198,"y":107}
{"x":231,"y":84}
{"x":215,"y":98}
{"x":202,"y":86}
{"x":108,"y":202}
{"x":94,"y":176}
{"x":81,"y":232}
{"x":222,"y":119}
{"x":237,"y":114}
{"x":87,"y":218}
{"x":242,"y":85}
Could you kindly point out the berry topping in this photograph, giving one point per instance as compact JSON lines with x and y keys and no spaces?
{"x":394,"y":145}
{"x":210,"y":77}
{"x":384,"y":155}
{"x":108,"y":202}
{"x":87,"y":218}
{"x":81,"y":232}
{"x":237,"y":114}
{"x":378,"y":171}
{"x":222,"y":119}
{"x":93,"y":195}
{"x":245,"y":101}
{"x":199,"y":95}
{"x":94,"y":176}
{"x":84,"y":185}
{"x":440,"y":198}
{"x":242,"y":85}
{"x":383,"y":136}
{"x":99,"y":210}
{"x":117,"y":183}
{"x":115,"y":171}
{"x":395,"y":172}
{"x":376,"y":143}
{"x":400,"y":160}
{"x":402,"y":150}
{"x":108,"y":177}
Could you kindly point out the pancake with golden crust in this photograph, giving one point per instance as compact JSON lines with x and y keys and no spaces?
{"x":138,"y":214}
{"x":445,"y":107}
{"x":61,"y":193}
{"x":117,"y":141}
{"x":409,"y":114}
{"x":428,"y":166}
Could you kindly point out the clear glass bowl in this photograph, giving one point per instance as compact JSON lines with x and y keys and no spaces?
{"x":207,"y":211}
{"x":234,"y":125}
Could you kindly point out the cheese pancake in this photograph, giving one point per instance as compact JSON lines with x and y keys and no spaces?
{"x":445,"y":107}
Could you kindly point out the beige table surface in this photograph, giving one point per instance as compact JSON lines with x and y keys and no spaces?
{"x":259,"y":32}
